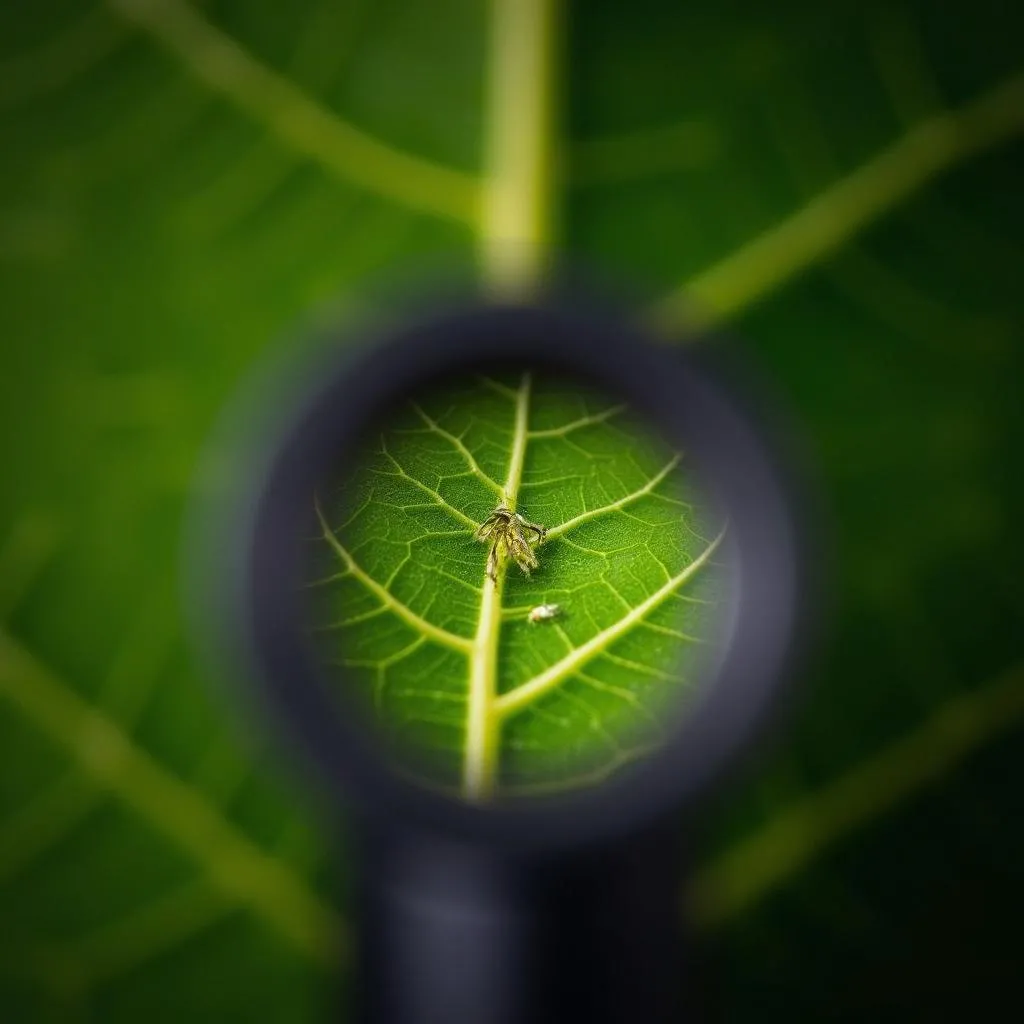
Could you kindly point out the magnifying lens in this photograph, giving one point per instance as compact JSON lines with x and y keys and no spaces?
{"x":518,"y":581}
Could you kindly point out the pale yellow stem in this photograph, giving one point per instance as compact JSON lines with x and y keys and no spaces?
{"x":483,"y":724}
{"x":516,"y":215}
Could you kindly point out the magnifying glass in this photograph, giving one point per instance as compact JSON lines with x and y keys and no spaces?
{"x":519,"y":581}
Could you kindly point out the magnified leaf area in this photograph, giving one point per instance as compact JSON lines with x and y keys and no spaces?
{"x":522,"y":583}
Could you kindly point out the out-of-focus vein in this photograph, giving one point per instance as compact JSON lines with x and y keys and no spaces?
{"x":230,"y":859}
{"x":797,"y":835}
{"x":298,"y":120}
{"x":845,"y":208}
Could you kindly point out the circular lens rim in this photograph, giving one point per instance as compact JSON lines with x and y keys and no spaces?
{"x":690,"y":404}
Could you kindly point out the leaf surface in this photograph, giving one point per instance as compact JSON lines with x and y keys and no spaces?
{"x":157,"y":234}
{"x":448,"y":658}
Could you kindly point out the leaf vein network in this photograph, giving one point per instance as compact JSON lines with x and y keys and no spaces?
{"x":583,"y":421}
{"x":647,"y":488}
{"x":487,"y":708}
{"x":438,"y":499}
{"x":456,"y":442}
{"x":411,"y":618}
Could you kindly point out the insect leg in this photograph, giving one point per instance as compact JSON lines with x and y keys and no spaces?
{"x":540,"y":531}
{"x":521,"y":550}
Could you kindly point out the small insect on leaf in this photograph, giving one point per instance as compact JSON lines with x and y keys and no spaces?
{"x":545,"y":612}
{"x":508,"y":532}
{"x":473,"y":678}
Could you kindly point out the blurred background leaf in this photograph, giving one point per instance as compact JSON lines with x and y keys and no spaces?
{"x":182,"y":186}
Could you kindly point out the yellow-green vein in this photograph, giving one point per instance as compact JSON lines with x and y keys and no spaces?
{"x":230,"y":859}
{"x":520,"y":436}
{"x":483,"y":727}
{"x":170,"y":919}
{"x":55,"y":811}
{"x":429,"y":491}
{"x":796,"y":835}
{"x":517,"y":211}
{"x":843,"y":209}
{"x":296,"y":119}
{"x":570,"y":524}
{"x":459,"y":445}
{"x":387,"y":599}
{"x":583,"y":421}
{"x":524,"y":695}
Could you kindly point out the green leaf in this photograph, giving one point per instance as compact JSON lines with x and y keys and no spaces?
{"x":840,"y":180}
{"x":464,"y":688}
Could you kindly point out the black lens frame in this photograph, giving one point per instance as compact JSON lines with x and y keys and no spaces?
{"x":694,"y":407}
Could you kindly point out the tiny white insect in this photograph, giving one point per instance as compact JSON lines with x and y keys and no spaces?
{"x":545,"y":612}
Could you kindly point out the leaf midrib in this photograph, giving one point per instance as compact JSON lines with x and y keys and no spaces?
{"x":483,"y":725}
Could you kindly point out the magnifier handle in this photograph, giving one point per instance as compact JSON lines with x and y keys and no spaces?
{"x":457,"y":934}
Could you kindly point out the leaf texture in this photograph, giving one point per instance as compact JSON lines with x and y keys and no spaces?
{"x":841,"y":182}
{"x":449,"y":658}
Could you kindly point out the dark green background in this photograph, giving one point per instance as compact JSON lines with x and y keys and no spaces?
{"x":154,"y":240}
